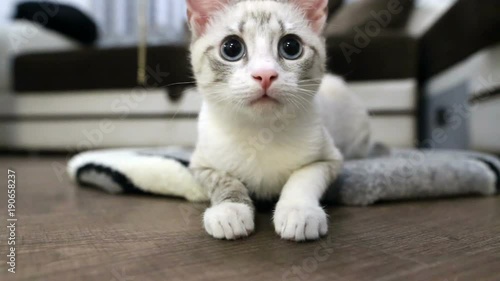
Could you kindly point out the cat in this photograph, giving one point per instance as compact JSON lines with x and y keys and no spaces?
{"x":269,"y":113}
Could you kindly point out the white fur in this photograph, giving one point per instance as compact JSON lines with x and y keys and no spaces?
{"x":300,"y":223}
{"x":275,"y":149}
{"x":345,"y":118}
{"x":229,"y":221}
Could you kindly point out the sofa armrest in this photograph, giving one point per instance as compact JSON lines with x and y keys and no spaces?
{"x":21,"y":37}
{"x":389,"y":14}
{"x":367,"y":40}
{"x":467,"y":27}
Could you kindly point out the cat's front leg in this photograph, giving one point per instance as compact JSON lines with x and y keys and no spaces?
{"x":298,"y":215}
{"x":231,"y":215}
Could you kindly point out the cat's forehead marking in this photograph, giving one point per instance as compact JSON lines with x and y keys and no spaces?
{"x":271,"y":16}
{"x":258,"y":23}
{"x":241,"y":26}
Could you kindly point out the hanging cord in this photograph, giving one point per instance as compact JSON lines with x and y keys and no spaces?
{"x":143,"y":41}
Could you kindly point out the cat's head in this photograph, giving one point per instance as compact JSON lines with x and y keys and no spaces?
{"x":258,"y":56}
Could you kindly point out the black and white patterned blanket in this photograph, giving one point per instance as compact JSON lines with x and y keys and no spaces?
{"x":403,"y":175}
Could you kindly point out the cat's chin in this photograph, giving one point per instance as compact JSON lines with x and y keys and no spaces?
{"x":264,"y":104}
{"x":264,"y":100}
{"x":262,"y":108}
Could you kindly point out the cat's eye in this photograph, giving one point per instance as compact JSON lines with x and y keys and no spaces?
{"x":232,"y":49}
{"x":290,"y":47}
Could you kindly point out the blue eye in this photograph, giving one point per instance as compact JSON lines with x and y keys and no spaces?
{"x":232,"y":49}
{"x":290,"y":47}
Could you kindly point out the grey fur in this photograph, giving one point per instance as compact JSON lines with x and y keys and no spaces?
{"x":220,"y":69}
{"x":241,"y":26}
{"x":221,"y":187}
{"x":282,"y":26}
{"x":263,"y":18}
{"x":306,"y":63}
{"x":208,"y":50}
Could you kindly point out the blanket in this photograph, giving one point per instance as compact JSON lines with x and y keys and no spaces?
{"x":400,"y":175}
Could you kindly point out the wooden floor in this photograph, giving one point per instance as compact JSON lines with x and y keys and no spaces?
{"x":69,"y":233}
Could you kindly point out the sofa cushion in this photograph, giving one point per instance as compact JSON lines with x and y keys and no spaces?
{"x":468,"y":26}
{"x":13,"y":42}
{"x":62,"y":18}
{"x":389,"y":55}
{"x":334,"y":5}
{"x":395,"y":14}
{"x":92,"y":68}
{"x":367,"y":41}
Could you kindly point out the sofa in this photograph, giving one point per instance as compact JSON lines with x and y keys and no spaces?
{"x":389,"y":51}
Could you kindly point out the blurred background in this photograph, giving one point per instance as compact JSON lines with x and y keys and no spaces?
{"x":117,"y":19}
{"x":428,"y":70}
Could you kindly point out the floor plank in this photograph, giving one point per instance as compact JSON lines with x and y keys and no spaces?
{"x":70,"y":233}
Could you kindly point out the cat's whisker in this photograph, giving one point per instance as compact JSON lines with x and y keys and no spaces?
{"x":298,"y":103}
{"x":306,"y":92}
{"x":304,"y":102}
{"x":311,"y":87}
{"x":179,"y":83}
{"x":312,"y":79}
{"x":309,"y":83}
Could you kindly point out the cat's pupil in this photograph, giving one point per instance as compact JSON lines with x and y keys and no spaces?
{"x":232,"y":49}
{"x":290,"y":48}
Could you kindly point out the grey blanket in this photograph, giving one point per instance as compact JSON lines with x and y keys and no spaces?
{"x":413,"y":174}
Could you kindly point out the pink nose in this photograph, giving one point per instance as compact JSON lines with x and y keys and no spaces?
{"x":265,"y":77}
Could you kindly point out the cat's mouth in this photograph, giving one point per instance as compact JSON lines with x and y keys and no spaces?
{"x":264,"y":99}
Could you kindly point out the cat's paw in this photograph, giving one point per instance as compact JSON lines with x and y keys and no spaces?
{"x":229,"y":220}
{"x":300,"y":223}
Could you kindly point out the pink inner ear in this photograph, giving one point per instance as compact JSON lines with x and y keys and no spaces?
{"x":200,"y":11}
{"x":316,"y":12}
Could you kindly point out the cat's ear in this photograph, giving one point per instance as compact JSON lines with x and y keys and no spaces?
{"x":316,"y":12}
{"x":200,"y":11}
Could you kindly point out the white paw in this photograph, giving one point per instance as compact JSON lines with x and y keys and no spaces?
{"x":229,"y":220}
{"x":300,"y":223}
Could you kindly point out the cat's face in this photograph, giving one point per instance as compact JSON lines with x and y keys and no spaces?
{"x":258,"y":57}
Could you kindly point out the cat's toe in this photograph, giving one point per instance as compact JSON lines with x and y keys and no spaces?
{"x":229,"y":221}
{"x":300,"y":223}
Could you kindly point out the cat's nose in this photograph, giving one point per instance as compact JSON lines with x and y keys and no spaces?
{"x":265,"y":77}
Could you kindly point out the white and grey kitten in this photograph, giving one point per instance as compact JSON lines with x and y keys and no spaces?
{"x":259,"y":65}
